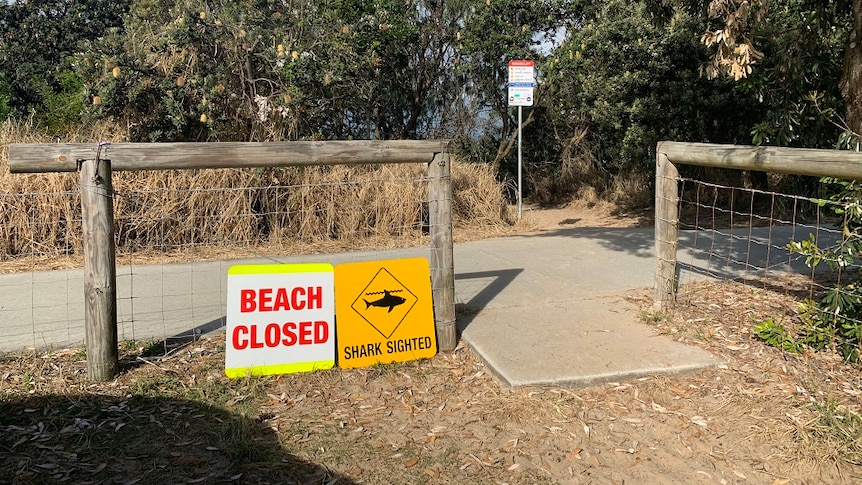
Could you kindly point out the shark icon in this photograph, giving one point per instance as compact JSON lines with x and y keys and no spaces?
{"x":388,"y":300}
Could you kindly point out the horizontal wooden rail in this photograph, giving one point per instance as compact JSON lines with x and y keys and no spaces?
{"x":840,"y":164}
{"x":799,"y":161}
{"x":65,"y":157}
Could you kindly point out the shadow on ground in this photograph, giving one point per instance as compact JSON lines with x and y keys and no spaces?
{"x":108,"y":439}
{"x":723,"y":253}
{"x":483,"y":293}
{"x":638,"y":241}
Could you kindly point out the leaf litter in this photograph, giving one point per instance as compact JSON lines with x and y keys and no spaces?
{"x":760,"y":418}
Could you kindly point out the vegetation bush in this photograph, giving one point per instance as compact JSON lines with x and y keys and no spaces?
{"x":614,"y":77}
{"x":183,"y":70}
{"x":169,"y":210}
{"x":629,"y":79}
{"x":5,"y":97}
{"x":835,"y":320}
{"x":37,"y":41}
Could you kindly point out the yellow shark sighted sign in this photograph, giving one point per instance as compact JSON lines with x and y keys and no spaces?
{"x":385,"y":312}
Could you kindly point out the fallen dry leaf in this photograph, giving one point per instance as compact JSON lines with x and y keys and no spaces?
{"x":699,"y":420}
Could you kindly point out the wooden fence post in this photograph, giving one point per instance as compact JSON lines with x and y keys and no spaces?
{"x":442,"y":258}
{"x":100,"y":271}
{"x":666,"y":229}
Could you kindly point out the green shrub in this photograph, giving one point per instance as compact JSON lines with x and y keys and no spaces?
{"x":5,"y":98}
{"x":836,"y":320}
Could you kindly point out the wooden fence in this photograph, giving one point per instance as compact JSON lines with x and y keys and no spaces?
{"x":96,"y":162}
{"x":797,"y":161}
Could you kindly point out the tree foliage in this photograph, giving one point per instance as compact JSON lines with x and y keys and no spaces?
{"x":630,"y":79}
{"x":798,"y":56}
{"x":263,"y":70}
{"x":492,"y":35}
{"x":37,"y":37}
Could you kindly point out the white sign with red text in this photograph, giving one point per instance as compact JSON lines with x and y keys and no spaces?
{"x":280,"y":319}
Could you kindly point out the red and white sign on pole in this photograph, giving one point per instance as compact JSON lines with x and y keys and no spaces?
{"x":522,"y":80}
{"x":280,"y":319}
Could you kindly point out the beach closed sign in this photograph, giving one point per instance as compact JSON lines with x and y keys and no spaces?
{"x":280,"y":319}
{"x":385,"y":312}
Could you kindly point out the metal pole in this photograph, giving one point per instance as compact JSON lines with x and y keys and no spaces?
{"x":520,"y":187}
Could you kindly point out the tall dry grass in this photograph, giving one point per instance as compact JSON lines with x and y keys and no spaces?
{"x":159,"y":211}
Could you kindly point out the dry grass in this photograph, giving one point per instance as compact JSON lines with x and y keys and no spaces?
{"x":578,"y":170}
{"x":631,"y":191}
{"x":258,"y":209}
{"x":581,"y":178}
{"x":43,"y":214}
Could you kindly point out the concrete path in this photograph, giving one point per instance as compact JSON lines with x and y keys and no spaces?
{"x":545,"y":308}
{"x":551,"y":308}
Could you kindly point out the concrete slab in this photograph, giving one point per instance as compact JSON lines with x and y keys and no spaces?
{"x":548,"y":309}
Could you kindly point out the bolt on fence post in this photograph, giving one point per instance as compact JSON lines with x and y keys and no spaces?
{"x":666,"y":229}
{"x":442,"y":258}
{"x":100,"y":272}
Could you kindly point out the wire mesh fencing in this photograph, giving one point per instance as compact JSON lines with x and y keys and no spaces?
{"x":740,"y":234}
{"x":178,"y":232}
{"x":801,"y":247}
